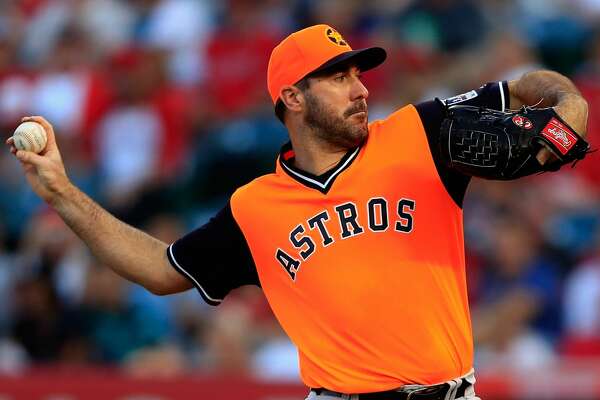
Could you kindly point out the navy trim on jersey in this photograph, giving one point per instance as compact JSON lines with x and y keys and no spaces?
{"x":492,"y":95}
{"x":203,"y":293}
{"x":503,"y":96}
{"x":215,"y":258}
{"x":322,"y":182}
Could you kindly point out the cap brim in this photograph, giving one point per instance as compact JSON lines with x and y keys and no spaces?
{"x":365,"y":59}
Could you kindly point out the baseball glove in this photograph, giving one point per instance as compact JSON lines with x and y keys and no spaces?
{"x":503,"y":145}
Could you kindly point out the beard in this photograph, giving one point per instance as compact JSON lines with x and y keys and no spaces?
{"x":338,"y":132}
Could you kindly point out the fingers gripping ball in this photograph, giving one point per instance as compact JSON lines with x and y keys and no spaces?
{"x":30,"y":136}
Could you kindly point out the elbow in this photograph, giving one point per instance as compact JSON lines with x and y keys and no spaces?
{"x":165,"y":280}
{"x":576,"y":108}
{"x":165,"y":287}
{"x":159,"y":290}
{"x":584,"y":105}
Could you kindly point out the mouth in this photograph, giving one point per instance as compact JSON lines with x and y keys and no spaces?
{"x":359,"y":114}
{"x":359,"y":110}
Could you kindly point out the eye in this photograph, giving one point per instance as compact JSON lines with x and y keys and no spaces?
{"x":340,"y":77}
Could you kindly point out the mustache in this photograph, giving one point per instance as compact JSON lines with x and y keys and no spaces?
{"x":358,"y":107}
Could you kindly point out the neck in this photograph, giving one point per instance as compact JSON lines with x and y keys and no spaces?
{"x":313,"y":155}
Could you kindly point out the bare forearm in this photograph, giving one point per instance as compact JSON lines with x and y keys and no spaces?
{"x":547,"y":87}
{"x":130,"y":252}
{"x":551,"y":89}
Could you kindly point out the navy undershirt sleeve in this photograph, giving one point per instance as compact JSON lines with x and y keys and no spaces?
{"x":215,"y":257}
{"x":493,"y":95}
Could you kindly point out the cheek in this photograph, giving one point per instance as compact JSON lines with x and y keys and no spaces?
{"x":336,"y":110}
{"x":335,"y":101}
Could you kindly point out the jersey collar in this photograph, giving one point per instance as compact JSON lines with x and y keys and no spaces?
{"x":322,"y":182}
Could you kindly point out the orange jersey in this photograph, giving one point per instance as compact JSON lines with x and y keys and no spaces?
{"x":364,"y":266}
{"x":368,"y":280}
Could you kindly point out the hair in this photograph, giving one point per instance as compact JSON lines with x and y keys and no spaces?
{"x":280,"y":108}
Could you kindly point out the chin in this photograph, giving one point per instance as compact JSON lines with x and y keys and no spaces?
{"x":363,"y":131}
{"x":363,"y":125}
{"x":358,"y":136}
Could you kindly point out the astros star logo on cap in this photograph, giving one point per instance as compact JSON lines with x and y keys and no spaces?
{"x":335,"y":37}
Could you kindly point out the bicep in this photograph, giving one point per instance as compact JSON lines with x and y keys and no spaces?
{"x":540,"y":88}
{"x":514,"y":101}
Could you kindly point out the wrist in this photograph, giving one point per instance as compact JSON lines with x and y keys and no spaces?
{"x":63,"y":195}
{"x":571,"y":100}
{"x":573,"y":109}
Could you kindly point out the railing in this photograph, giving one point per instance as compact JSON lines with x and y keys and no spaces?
{"x":569,"y":380}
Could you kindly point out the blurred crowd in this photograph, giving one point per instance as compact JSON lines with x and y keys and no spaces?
{"x":161,"y":110}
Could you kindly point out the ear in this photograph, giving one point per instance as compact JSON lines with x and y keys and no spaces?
{"x":292,"y":97}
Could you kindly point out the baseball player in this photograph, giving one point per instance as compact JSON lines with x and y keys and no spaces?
{"x":356,"y":238}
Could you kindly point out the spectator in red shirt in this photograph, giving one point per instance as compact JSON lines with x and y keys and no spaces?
{"x":237,"y":58}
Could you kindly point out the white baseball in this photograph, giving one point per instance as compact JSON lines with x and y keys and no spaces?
{"x":30,"y":136}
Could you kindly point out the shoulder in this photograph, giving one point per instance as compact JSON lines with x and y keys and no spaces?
{"x":254,"y":189}
{"x":404,"y":112}
{"x":257,"y":184}
{"x":402,"y":118}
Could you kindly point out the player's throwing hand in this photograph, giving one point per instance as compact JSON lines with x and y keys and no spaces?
{"x":45,"y":172}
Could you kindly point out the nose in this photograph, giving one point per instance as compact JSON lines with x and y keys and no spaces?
{"x":359,"y":90}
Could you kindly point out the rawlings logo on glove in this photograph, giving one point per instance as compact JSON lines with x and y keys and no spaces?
{"x":560,"y":135}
